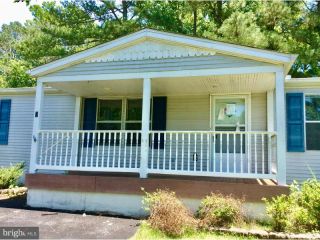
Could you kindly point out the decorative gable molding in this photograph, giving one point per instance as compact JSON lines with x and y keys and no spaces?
{"x":151,"y":50}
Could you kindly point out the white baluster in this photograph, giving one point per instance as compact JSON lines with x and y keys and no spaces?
{"x":228,"y":151}
{"x":201,"y":156}
{"x":164,"y":149}
{"x":214,"y":152}
{"x":241,"y":148}
{"x":152,"y":149}
{"x":189,"y":147}
{"x":56,"y":149}
{"x":125,"y":150}
{"x":130,"y":159}
{"x":92,"y":148}
{"x":170,"y":150}
{"x":262,"y":145}
{"x":176,"y":163}
{"x":182,"y":151}
{"x":234,"y":153}
{"x":255,"y":154}
{"x":208,"y":152}
{"x":158,"y":159}
{"x":103,"y":148}
{"x":221,"y":152}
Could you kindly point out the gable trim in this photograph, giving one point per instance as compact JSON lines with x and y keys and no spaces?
{"x":226,"y":48}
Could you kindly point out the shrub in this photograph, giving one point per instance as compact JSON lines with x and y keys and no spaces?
{"x":168,"y":214}
{"x":217,"y":210}
{"x":297,"y":212}
{"x":9,"y":176}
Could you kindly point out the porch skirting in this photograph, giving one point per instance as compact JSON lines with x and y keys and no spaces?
{"x":123,"y":195}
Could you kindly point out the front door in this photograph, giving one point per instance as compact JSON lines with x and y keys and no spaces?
{"x":229,"y":119}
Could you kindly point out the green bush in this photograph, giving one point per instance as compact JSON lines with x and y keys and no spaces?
{"x":168,"y":214}
{"x":217,"y":210}
{"x":297,"y":212}
{"x":9,"y":176}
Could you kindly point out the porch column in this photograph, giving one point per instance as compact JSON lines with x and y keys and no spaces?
{"x":75,"y":135}
{"x":36,"y":125}
{"x":145,"y":127}
{"x":281,"y":128}
{"x":270,"y":110}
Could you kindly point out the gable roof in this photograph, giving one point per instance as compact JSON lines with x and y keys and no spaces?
{"x":225,"y":48}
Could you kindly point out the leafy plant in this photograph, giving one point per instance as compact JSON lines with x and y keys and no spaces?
{"x":299,"y":211}
{"x":9,"y":176}
{"x":217,"y":210}
{"x":168,"y":214}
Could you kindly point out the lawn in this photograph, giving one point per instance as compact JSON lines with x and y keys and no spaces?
{"x":145,"y":232}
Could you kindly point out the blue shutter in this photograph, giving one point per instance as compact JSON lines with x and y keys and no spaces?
{"x":5,"y":107}
{"x":159,"y":119}
{"x":295,"y":122}
{"x":89,"y":119}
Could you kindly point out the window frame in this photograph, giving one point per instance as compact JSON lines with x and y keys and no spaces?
{"x":247,"y":100}
{"x":308,"y":121}
{"x":124,"y":109}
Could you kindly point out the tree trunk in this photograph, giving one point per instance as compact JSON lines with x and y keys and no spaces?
{"x":219,"y":13}
{"x":124,"y":10}
{"x":195,"y":18}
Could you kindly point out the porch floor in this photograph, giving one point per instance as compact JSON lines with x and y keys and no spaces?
{"x":252,"y":190}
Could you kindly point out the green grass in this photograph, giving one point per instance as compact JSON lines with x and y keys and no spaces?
{"x":145,"y":232}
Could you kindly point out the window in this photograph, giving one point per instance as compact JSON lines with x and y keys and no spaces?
{"x":229,"y":114}
{"x":312,"y":109}
{"x":117,"y":114}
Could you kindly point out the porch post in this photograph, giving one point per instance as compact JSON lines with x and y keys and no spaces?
{"x":281,"y":128}
{"x":270,"y":110}
{"x":75,"y":135}
{"x":36,"y":125}
{"x":145,"y":127}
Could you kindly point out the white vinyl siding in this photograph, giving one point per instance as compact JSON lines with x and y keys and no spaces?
{"x":58,"y":114}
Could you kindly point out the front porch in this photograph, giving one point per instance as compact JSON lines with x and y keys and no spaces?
{"x":219,"y":132}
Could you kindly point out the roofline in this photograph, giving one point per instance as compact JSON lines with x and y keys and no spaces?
{"x":301,"y":83}
{"x":228,"y":48}
{"x":25,"y":91}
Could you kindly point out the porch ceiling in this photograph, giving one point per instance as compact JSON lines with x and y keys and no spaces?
{"x":241,"y":83}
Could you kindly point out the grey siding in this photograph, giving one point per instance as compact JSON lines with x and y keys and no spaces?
{"x":20,"y":131}
{"x":259,"y":112}
{"x":301,"y":166}
{"x":154,"y":65}
{"x":188,"y":112}
{"x":58,"y":114}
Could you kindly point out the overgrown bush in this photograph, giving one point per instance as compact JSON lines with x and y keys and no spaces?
{"x":168,"y":214}
{"x":9,"y":176}
{"x":217,"y":210}
{"x":299,"y":211}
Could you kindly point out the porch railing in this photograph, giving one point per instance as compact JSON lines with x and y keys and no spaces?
{"x":206,"y":153}
{"x":117,"y":151}
{"x":199,"y":153}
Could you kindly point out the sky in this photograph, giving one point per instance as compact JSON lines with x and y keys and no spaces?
{"x":10,"y":11}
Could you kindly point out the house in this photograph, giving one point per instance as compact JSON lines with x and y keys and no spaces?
{"x":161,"y":110}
